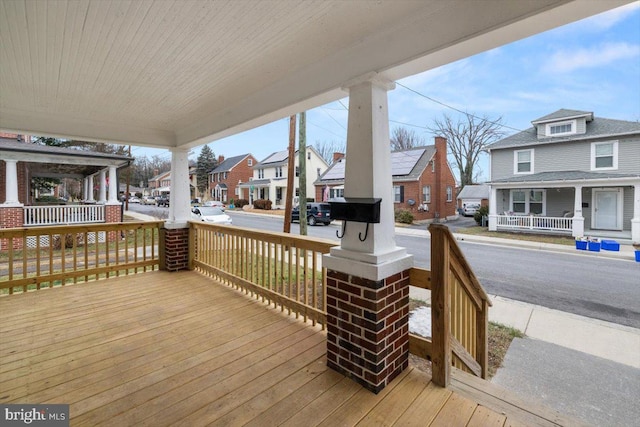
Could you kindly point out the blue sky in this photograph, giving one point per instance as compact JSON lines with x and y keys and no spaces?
{"x":591,"y":65}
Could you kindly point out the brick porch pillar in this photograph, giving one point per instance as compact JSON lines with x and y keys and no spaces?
{"x":11,"y":217}
{"x":368,"y":327}
{"x":368,"y":279}
{"x":174,"y":253}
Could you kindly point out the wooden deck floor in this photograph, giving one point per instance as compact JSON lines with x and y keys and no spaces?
{"x":179,"y":349}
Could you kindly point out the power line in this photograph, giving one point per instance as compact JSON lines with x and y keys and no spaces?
{"x":456,"y":109}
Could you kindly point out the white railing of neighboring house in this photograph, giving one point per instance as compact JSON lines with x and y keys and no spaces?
{"x":63,"y":215}
{"x":537,"y":223}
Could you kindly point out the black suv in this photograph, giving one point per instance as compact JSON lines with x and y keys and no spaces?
{"x":163,"y":201}
{"x":316,"y":213}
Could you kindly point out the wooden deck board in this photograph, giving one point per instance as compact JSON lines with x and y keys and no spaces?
{"x":181,"y":349}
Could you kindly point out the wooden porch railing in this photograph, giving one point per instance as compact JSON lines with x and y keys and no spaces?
{"x":531,"y":222}
{"x":60,"y":255}
{"x":283,"y":269}
{"x":67,"y":214}
{"x":459,"y":311}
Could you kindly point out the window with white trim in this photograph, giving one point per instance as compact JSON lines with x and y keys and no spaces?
{"x":426,"y":194}
{"x":604,"y":155}
{"x":260,"y":173}
{"x":449,"y":193}
{"x":398,"y":193}
{"x":523,"y":161}
{"x":279,"y":172}
{"x":249,"y":162}
{"x":561,"y":128}
{"x":336,"y":192}
{"x":528,"y":201}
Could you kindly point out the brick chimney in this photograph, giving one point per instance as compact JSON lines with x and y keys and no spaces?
{"x":220,"y":159}
{"x":337,"y":156}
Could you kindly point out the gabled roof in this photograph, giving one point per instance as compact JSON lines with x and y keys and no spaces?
{"x":563,"y":114}
{"x":597,"y":128}
{"x":280,"y":158}
{"x":406,"y":165}
{"x":482,"y":191}
{"x":229,"y":163}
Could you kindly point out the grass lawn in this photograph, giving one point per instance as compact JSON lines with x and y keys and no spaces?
{"x":499,"y":338}
{"x":531,"y":237}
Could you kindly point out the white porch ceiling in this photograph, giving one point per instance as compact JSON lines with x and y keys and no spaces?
{"x":177,"y":74}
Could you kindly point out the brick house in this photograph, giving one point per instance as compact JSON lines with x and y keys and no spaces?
{"x":225,"y":178}
{"x":423,"y":182}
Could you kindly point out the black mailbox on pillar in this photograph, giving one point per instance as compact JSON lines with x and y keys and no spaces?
{"x":356,"y":209}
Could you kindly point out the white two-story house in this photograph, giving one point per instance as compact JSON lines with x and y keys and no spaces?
{"x":573,"y":173}
{"x":270,"y":178}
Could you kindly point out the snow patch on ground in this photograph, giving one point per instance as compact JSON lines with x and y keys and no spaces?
{"x":420,"y":321}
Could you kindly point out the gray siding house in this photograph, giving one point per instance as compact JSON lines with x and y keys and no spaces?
{"x":572,"y":173}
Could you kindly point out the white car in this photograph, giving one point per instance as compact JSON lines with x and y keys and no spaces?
{"x":470,"y":209}
{"x":213,"y":215}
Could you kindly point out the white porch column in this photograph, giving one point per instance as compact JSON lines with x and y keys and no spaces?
{"x":368,"y":175}
{"x":635,"y":221}
{"x":91,"y":198}
{"x":102,"y":198}
{"x":85,"y":188}
{"x":493,"y":207}
{"x":578,"y":219}
{"x":113,"y":186}
{"x":179,"y":201}
{"x":11,"y":183}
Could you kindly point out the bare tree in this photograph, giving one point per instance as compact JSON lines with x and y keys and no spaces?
{"x":404,"y":139}
{"x":326,"y":149}
{"x":467,"y":138}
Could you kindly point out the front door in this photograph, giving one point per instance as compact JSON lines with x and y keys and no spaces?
{"x":607,"y":209}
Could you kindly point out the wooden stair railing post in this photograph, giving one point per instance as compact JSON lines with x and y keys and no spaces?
{"x":440,"y":306}
{"x":482,"y":338}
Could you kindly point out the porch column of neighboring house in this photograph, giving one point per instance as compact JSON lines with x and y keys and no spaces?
{"x":113,"y":186}
{"x":85,"y":189}
{"x":112,"y":207}
{"x":11,"y":210}
{"x":635,"y":221}
{"x":368,"y":281}
{"x":102,"y":197}
{"x":91,"y":184}
{"x":175,"y":251}
{"x":493,"y":206}
{"x":578,"y":219}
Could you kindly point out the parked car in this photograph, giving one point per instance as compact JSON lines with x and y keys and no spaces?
{"x":213,"y":215}
{"x":148,"y":200}
{"x":163,"y":201}
{"x":470,"y":208}
{"x":134,"y":200}
{"x":214,"y":204}
{"x":316,"y":213}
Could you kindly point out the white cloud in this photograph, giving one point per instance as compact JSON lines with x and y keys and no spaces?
{"x":564,"y":61}
{"x":608,"y":19}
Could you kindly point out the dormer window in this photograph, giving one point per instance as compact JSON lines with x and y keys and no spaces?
{"x":561,"y":128}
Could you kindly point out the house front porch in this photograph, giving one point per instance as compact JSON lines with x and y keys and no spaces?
{"x":181,"y":348}
{"x":578,"y":204}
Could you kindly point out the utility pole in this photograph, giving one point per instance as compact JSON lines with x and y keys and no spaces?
{"x":128,"y":182}
{"x":290,"y":174}
{"x":302,"y":165}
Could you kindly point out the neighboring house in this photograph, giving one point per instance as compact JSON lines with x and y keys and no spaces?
{"x":573,"y":173}
{"x":474,"y":194}
{"x":225,"y":178}
{"x":269,"y":179}
{"x":423,"y":182}
{"x":22,"y":161}
{"x":160,"y":184}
